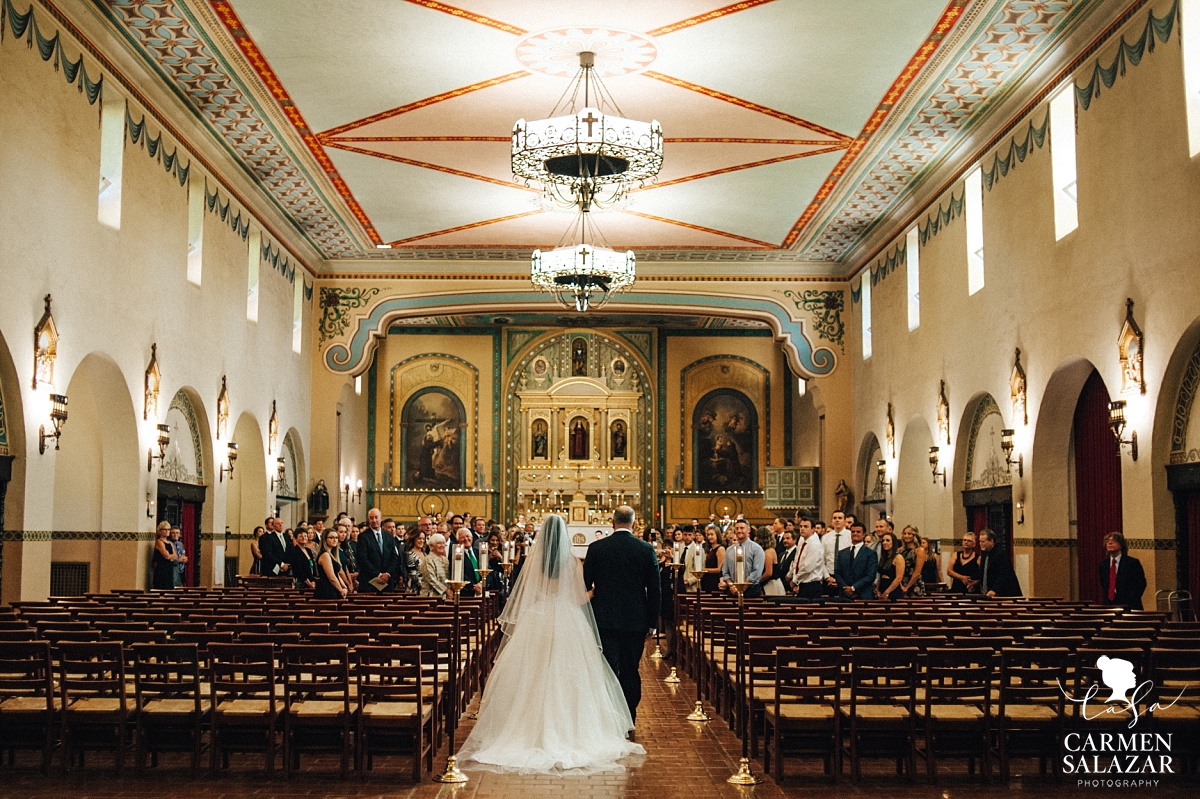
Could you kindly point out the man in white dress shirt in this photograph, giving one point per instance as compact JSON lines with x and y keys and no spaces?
{"x":836,"y":538}
{"x":808,"y":572}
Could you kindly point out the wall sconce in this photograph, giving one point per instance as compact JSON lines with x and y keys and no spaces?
{"x":359,"y":492}
{"x":58,"y":416}
{"x":1116,"y":423}
{"x":45,"y":348}
{"x":151,"y":383}
{"x":149,"y":506}
{"x":281,"y":470}
{"x":232,"y":458}
{"x":1020,"y":513}
{"x":272,"y":430}
{"x":346,"y":492}
{"x":223,"y":410}
{"x":933,"y":464}
{"x":881,"y":477}
{"x":164,"y":441}
{"x":1006,"y":444}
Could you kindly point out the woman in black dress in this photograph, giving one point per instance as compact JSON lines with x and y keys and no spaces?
{"x":891,"y":568}
{"x":304,"y":565}
{"x":329,"y":570}
{"x":964,"y":571}
{"x":714,"y":559}
{"x":163,"y":562}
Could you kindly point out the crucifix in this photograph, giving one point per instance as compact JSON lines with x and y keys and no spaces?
{"x":590,"y":119}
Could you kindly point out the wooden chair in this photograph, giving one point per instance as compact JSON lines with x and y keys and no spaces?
{"x":243,"y":701}
{"x":170,"y":716}
{"x":1174,"y":704}
{"x":958,"y":707}
{"x":28,"y":716}
{"x":435,"y":663}
{"x":316,"y":699}
{"x":806,"y":714}
{"x":95,"y":710}
{"x":882,"y":715}
{"x":392,"y":713}
{"x":1099,"y":715}
{"x":759,"y":687}
{"x":1030,"y":719}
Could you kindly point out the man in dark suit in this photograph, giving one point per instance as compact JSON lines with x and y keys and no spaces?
{"x":788,"y":557}
{"x":276,"y":549}
{"x":376,"y":553}
{"x":1122,"y":579}
{"x":997,"y":577}
{"x":856,"y":567}
{"x":621,"y":573}
{"x":466,"y":540}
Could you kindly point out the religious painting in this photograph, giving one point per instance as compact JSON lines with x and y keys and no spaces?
{"x":433,"y":425}
{"x":619,"y":368}
{"x":619,"y":441}
{"x":578,"y":438}
{"x":540,"y":368}
{"x":725,"y":442}
{"x":539,"y":440}
{"x":579,"y":357}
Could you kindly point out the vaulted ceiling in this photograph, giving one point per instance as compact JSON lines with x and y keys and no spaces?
{"x":794,"y":129}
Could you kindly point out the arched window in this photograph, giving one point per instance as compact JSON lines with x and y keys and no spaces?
{"x":432,"y":427}
{"x":725,"y":442}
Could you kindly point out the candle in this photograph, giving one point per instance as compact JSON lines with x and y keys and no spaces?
{"x":697,"y":558}
{"x":739,"y":571}
{"x":482,"y":557}
{"x":677,"y":551}
{"x":506,"y":552}
{"x":456,"y":569}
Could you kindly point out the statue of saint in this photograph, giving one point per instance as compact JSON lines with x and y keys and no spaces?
{"x":579,"y":358}
{"x":842,"y":497}
{"x":540,"y":443}
{"x":619,"y":448}
{"x":579,"y":440}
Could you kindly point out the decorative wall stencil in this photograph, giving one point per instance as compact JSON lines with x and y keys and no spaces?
{"x":1130,"y":346}
{"x":890,"y":432}
{"x":826,"y":309}
{"x":151,"y":384}
{"x":643,"y":341}
{"x":1181,"y":423}
{"x":725,"y":442}
{"x":25,"y":26}
{"x":518,"y":339}
{"x":238,"y":222}
{"x":45,"y":348}
{"x":337,"y":304}
{"x":223,"y":410}
{"x":941,"y":217}
{"x":1155,"y":27}
{"x":156,"y":148}
{"x":433,"y":424}
{"x":985,"y":464}
{"x":943,"y":415}
{"x":1016,"y":384}
{"x":1035,"y":138}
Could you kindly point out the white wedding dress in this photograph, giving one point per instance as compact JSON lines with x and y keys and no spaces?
{"x":552,"y":705}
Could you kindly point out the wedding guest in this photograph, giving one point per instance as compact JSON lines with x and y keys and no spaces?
{"x":931,"y":573}
{"x":770,"y":582}
{"x":348,"y":553}
{"x":1122,"y":579}
{"x":329,"y":582}
{"x":964,"y":571}
{"x":304,"y":564}
{"x":414,"y":552}
{"x":856,"y":568}
{"x":784,"y":568}
{"x":891,"y":567}
{"x":914,"y":561}
{"x":693,"y":543}
{"x":808,"y":574}
{"x":836,"y":538}
{"x":435,"y":567}
{"x":276,"y":549}
{"x":714,"y":559}
{"x":495,"y":580}
{"x":753,"y":559}
{"x":399,"y":574}
{"x":470,"y":562}
{"x":377,"y":555}
{"x":180,"y":556}
{"x":163,"y":562}
{"x":996,"y":575}
{"x":256,"y":551}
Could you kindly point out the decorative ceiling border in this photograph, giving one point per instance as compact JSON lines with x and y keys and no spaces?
{"x":173,"y":43}
{"x":641,"y":278}
{"x":1010,"y":40}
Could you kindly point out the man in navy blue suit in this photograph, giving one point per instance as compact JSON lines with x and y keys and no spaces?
{"x":856,"y":567}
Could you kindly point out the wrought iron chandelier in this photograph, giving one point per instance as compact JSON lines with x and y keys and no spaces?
{"x":586,"y":160}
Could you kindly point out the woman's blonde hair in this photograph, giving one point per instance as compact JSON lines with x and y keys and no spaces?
{"x":163,"y":525}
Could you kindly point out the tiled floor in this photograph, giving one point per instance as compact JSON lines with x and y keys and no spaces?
{"x":683,"y":759}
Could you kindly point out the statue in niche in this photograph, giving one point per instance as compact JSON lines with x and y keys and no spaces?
{"x":579,"y":358}
{"x":620,"y":441}
{"x":579,"y":440}
{"x":541,"y":444}
{"x":841,"y":497}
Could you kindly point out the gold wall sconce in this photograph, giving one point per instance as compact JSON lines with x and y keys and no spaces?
{"x":232,"y":459}
{"x":1020,"y":512}
{"x":1116,"y":423}
{"x":280,"y":473}
{"x":164,"y":441}
{"x":223,"y":410}
{"x":45,"y":348}
{"x":151,"y":384}
{"x":881,"y":477}
{"x":58,"y":417}
{"x":149,"y":506}
{"x":272,"y":430}
{"x":934,"y":453}
{"x":1006,"y":444}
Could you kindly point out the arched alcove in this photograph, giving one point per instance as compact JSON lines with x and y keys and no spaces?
{"x":289,"y":494}
{"x":184,"y":497}
{"x":1175,"y":443}
{"x":981,"y":481}
{"x":1096,"y":463}
{"x":871,"y":494}
{"x":97,"y":479}
{"x":917,"y":494}
{"x":12,"y":472}
{"x":246,"y":491}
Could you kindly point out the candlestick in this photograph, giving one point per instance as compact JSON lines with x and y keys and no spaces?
{"x":676,"y":552}
{"x":452,"y":774}
{"x":739,"y":569}
{"x":456,"y":568}
{"x":698,"y":713}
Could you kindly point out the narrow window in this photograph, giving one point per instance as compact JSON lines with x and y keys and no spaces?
{"x":297,"y":315}
{"x":866,"y":314}
{"x":913,"y":261}
{"x":1190,"y":32}
{"x":195,"y":266}
{"x":112,"y":150}
{"x":1062,"y":157}
{"x":358,"y":384}
{"x":973,"y":201}
{"x":254,"y":245}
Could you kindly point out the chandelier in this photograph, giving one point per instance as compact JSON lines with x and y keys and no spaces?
{"x":585,"y":160}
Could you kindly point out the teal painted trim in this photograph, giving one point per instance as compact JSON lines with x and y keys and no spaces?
{"x":807,"y":359}
{"x":372,"y":382}
{"x":1155,"y":28}
{"x":789,"y":380}
{"x":1035,"y":139}
{"x":662,"y":419}
{"x":397,"y":330}
{"x":497,"y":344}
{"x":719,"y":333}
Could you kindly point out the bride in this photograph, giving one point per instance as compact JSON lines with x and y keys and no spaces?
{"x":552,"y":704}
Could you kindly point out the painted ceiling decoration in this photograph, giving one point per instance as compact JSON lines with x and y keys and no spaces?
{"x":795,"y":131}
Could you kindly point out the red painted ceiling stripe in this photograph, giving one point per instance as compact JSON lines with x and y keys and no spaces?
{"x":739,"y":167}
{"x":468,"y":226}
{"x":455,"y":11}
{"x":700,"y":228}
{"x":426,"y":165}
{"x":691,"y":22}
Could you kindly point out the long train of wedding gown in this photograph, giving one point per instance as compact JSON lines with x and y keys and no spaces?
{"x":552,"y":704}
